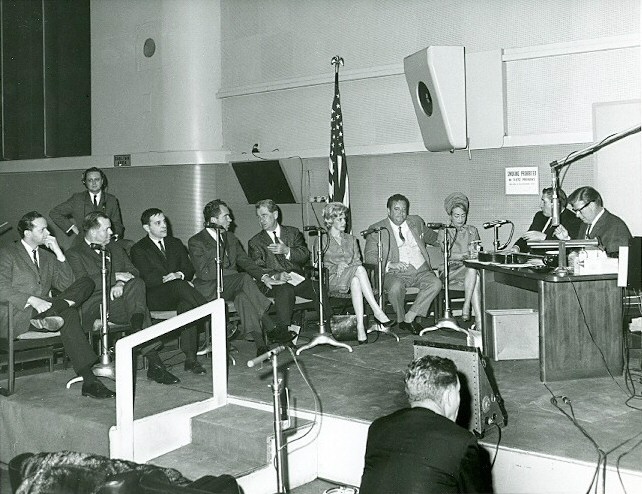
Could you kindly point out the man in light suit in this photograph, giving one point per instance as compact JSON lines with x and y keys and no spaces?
{"x":281,"y":250}
{"x":69,"y":215}
{"x":164,"y":265}
{"x":597,"y":222}
{"x":420,"y":449}
{"x":250,"y":303}
{"x":127,"y":295}
{"x":406,"y":262}
{"x":27,"y":274}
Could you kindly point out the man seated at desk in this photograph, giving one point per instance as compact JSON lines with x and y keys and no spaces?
{"x":542,"y":227}
{"x":597,"y":222}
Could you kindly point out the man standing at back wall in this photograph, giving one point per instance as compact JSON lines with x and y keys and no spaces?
{"x":282,"y":250}
{"x":69,"y":215}
{"x":406,"y":262}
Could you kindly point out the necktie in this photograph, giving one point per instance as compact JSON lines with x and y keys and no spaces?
{"x":162,"y":248}
{"x":34,"y":252}
{"x":95,"y":201}
{"x":401,"y":235}
{"x":276,"y":239}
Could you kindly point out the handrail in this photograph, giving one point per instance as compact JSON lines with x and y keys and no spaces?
{"x":124,"y":434}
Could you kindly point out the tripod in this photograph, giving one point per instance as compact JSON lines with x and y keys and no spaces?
{"x":447,"y":320}
{"x":322,"y":337}
{"x":378,"y":327}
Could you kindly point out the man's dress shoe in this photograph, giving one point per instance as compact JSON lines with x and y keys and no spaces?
{"x":280,"y":334}
{"x":194,"y":367}
{"x":413,"y":327}
{"x":161,"y":375}
{"x":49,"y":323}
{"x":97,"y":390}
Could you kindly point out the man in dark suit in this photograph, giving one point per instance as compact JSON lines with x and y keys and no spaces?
{"x":127,"y":297}
{"x":282,"y":250}
{"x":27,"y":274}
{"x":542,"y":228}
{"x":421,"y":450}
{"x":250,"y":303}
{"x":597,"y":222}
{"x":406,"y":262}
{"x":164,"y":265}
{"x":69,"y":215}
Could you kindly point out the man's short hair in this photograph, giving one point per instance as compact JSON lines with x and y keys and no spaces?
{"x":586,"y":194}
{"x":91,"y":220}
{"x":561,"y":195}
{"x":428,"y":377}
{"x":102,"y":176}
{"x":269,"y":204}
{"x":26,"y":222}
{"x":396,"y":198}
{"x":146,"y":217}
{"x":332,"y":211}
{"x":212,"y":209}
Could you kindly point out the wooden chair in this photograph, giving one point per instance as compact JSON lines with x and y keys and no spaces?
{"x":27,"y":347}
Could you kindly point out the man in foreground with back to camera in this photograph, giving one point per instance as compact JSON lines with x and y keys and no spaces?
{"x":421,"y":450}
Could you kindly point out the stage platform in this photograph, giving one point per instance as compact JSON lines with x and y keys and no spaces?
{"x":540,"y":449}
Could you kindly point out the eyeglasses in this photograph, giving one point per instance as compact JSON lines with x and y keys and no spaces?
{"x":580,"y":209}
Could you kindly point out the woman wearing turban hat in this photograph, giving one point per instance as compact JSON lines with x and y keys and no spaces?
{"x":460,"y":276}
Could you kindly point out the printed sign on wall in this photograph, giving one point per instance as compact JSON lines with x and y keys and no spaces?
{"x":522,"y":180}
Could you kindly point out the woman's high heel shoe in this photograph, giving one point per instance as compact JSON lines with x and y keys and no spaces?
{"x":387,"y":324}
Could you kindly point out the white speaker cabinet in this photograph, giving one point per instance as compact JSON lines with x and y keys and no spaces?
{"x":514,"y":334}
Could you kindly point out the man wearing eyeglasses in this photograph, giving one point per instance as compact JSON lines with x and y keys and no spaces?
{"x":597,"y":222}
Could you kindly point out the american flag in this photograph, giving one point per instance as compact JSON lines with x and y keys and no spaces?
{"x":338,"y":176}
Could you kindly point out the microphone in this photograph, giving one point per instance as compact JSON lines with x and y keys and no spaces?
{"x":493,"y":223}
{"x":214,"y":226}
{"x":114,"y":237}
{"x":311,"y":228}
{"x":367,"y":232}
{"x":436,"y":226}
{"x":267,"y":355}
{"x":555,"y":214}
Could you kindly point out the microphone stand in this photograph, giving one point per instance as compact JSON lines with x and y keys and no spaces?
{"x":105,"y":366}
{"x":277,"y":388}
{"x":219,"y":293}
{"x":447,"y":321}
{"x":322,"y":337}
{"x":378,"y":327}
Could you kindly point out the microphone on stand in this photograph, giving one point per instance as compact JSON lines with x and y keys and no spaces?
{"x":555,"y":215}
{"x":314,"y":230}
{"x":436,"y":226}
{"x":266,"y":356}
{"x":493,"y":223}
{"x":367,"y":232}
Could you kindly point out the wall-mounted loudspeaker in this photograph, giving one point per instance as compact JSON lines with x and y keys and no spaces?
{"x":436,"y":79}
{"x":482,"y":407}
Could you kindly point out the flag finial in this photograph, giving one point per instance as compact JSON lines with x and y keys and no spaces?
{"x":336,"y":61}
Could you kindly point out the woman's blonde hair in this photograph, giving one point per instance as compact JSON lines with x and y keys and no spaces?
{"x":331,"y":211}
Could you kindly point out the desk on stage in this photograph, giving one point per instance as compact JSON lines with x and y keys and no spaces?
{"x":566,"y":305}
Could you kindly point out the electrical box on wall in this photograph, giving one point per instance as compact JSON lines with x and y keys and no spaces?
{"x":458,"y":97}
{"x":122,"y":160}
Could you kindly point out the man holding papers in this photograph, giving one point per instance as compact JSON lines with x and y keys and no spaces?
{"x":282,"y":251}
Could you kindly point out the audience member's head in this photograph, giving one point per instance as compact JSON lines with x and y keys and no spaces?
{"x":332,"y":211}
{"x":432,"y":379}
{"x":26,"y":223}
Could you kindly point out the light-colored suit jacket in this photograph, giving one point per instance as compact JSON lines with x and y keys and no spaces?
{"x":422,"y":234}
{"x":20,"y":279}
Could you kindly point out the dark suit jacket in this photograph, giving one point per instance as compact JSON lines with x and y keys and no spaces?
{"x":417,"y":451}
{"x":20,"y":279}
{"x":568,"y":219}
{"x":611,"y":231}
{"x":86,"y":262}
{"x":422,"y":234}
{"x":152,"y":265}
{"x":202,"y":250}
{"x":73,"y":212}
{"x":290,"y":236}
